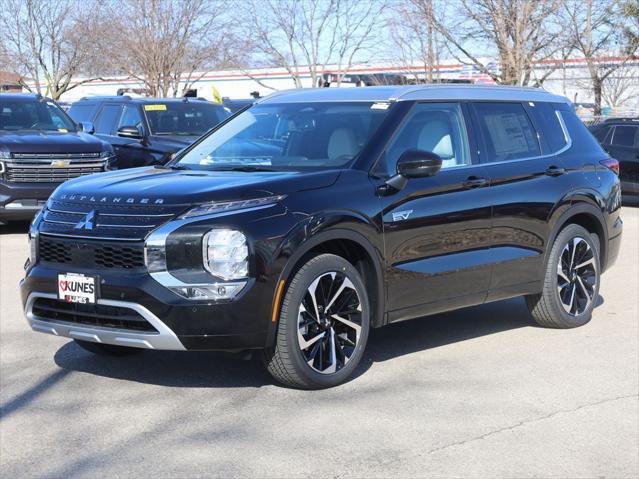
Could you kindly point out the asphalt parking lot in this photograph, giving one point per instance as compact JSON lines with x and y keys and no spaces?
{"x":480,"y":392}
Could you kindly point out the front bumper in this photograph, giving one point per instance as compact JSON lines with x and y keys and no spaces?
{"x":181,"y":323}
{"x":21,"y":201}
{"x":163,"y":339}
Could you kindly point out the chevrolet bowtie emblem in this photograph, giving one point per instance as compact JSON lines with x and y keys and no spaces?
{"x":60,"y":163}
{"x":89,"y":222}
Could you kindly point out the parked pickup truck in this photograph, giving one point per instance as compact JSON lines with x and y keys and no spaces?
{"x":41,"y":147}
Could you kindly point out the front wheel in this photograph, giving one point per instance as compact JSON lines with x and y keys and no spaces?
{"x":323,"y":325}
{"x":571,"y":283}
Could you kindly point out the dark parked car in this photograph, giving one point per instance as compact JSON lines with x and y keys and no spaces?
{"x":315,"y":215}
{"x":147,"y":131}
{"x":40,"y":147}
{"x":620,"y":138}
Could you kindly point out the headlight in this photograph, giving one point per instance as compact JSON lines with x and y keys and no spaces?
{"x":225,"y":254}
{"x":4,"y":155}
{"x":219,"y":207}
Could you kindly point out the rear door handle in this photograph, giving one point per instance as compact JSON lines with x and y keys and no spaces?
{"x":475,"y":182}
{"x":555,"y":170}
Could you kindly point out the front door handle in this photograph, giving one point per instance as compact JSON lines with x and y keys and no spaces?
{"x":555,"y":170}
{"x":475,"y":182}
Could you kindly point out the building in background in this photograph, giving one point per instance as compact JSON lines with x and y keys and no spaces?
{"x":10,"y":83}
{"x":569,"y":78}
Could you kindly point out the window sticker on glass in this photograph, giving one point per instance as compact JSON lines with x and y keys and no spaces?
{"x":154,"y":107}
{"x":380,"y":106}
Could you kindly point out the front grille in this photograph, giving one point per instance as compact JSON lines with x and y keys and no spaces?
{"x":91,"y":254}
{"x":52,"y":168}
{"x":46,"y":309}
{"x":109,"y":221}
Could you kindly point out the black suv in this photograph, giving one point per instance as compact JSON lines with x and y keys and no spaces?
{"x":40,"y":147}
{"x":620,"y":138}
{"x":147,"y":131}
{"x":299,"y":224}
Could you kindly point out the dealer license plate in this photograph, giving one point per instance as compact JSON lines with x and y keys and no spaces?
{"x":76,"y":288}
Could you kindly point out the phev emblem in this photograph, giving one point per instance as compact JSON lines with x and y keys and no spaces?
{"x":401,"y":215}
{"x":89,"y":221}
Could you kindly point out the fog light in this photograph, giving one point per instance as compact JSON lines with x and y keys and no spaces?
{"x":212,"y":292}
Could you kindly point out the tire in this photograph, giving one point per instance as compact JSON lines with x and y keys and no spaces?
{"x":571,"y":288}
{"x":106,"y":349}
{"x":333,"y":347}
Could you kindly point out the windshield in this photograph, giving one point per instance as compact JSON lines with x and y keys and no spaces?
{"x":192,"y":118}
{"x":289,"y":136}
{"x":33,"y":115}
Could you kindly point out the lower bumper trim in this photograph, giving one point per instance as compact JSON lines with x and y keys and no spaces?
{"x":164,"y":339}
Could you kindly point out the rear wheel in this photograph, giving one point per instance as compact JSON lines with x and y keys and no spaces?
{"x":323,"y":325}
{"x":571,"y":283}
{"x":106,"y":349}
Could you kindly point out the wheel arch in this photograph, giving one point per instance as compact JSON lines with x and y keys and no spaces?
{"x":348,"y":244}
{"x":589,"y":217}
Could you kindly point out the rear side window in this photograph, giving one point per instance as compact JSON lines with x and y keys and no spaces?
{"x":105,"y":122}
{"x":601,"y":133}
{"x":547,"y":122}
{"x":624,"y":135}
{"x":506,"y":132}
{"x":82,"y":112}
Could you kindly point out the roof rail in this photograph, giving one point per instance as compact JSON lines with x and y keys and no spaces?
{"x":106,"y":97}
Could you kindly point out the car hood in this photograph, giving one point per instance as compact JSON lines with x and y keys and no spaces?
{"x":186,"y":187}
{"x":50,"y":142}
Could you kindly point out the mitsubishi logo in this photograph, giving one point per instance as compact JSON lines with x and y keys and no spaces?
{"x":89,"y":221}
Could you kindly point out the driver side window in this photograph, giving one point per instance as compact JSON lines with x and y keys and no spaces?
{"x":435,"y":127}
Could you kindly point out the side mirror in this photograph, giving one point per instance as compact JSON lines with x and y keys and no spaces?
{"x":130,"y":132}
{"x":415,"y":164}
{"x":87,"y":127}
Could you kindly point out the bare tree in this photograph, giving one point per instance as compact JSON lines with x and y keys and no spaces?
{"x":618,"y":89}
{"x":518,"y":33}
{"x":596,"y":28}
{"x":163,"y":43}
{"x":309,"y":35}
{"x":49,"y":43}
{"x":414,"y":39}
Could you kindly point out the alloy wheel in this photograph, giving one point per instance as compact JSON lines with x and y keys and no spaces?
{"x":329,"y":322}
{"x":577,"y":276}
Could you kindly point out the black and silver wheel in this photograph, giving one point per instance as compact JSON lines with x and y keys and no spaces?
{"x":571,"y":283}
{"x":323,"y":327}
{"x":107,"y":349}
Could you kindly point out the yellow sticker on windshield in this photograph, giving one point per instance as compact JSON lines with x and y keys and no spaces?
{"x":155,"y":107}
{"x":63,"y":130}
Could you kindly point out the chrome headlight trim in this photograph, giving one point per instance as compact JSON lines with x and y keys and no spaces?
{"x":157,"y":240}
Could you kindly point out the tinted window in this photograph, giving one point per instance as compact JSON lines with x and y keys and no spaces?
{"x":435,"y":127}
{"x":81,"y":112}
{"x":547,"y":121}
{"x":289,"y":136}
{"x":192,"y":118}
{"x":601,"y":133}
{"x":506,"y":132}
{"x":33,"y":115}
{"x":624,"y":135}
{"x":131,"y":117}
{"x":105,"y":122}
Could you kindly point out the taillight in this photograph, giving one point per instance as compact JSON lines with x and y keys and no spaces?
{"x":611,"y":164}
